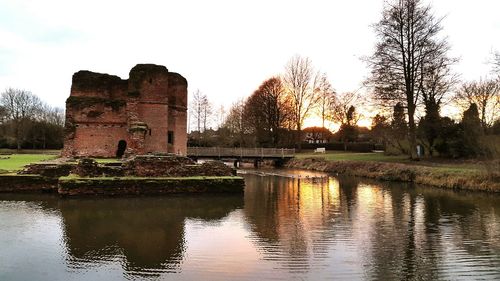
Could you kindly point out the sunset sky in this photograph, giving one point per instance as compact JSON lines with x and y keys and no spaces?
{"x":224,"y":48}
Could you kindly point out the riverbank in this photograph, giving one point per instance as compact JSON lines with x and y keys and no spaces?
{"x":439,"y":176}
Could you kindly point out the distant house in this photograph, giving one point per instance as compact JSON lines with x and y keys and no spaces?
{"x":316,"y":135}
{"x":364,"y":134}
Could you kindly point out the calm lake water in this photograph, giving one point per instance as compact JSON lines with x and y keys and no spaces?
{"x":283,"y":228}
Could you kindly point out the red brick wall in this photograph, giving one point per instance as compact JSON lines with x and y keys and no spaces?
{"x":156,"y":117}
{"x":154,"y":88}
{"x":91,"y":84}
{"x":100,"y":114}
{"x":177,"y":124}
{"x":151,"y":96}
{"x":150,"y":81}
{"x":177,"y":117}
{"x":99,"y":140}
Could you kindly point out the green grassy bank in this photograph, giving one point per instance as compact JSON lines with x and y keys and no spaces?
{"x":483,"y":176}
{"x":10,"y":161}
{"x":15,"y":162}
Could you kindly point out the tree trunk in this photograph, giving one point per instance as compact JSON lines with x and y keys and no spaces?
{"x":299,"y":139}
{"x":412,"y":134}
{"x":430,"y":149}
{"x":276,"y":137}
{"x":483,"y":117}
{"x":44,"y":145}
{"x":18,"y":137}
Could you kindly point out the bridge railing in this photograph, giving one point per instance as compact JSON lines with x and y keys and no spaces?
{"x":240,"y":152}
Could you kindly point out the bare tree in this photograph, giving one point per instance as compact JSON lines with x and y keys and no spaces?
{"x":408,"y":42}
{"x":437,"y":78}
{"x":50,"y":115}
{"x":343,"y":110}
{"x":56,"y":116}
{"x":436,"y":82}
{"x":301,"y":82}
{"x":3,"y":114}
{"x":207,"y":111}
{"x":47,"y":119}
{"x":268,"y":110}
{"x":380,"y":129}
{"x":235,"y":122}
{"x":496,"y":62}
{"x":20,"y":107}
{"x":196,"y":109}
{"x":485,"y":93}
{"x":201,"y":110}
{"x":327,"y":98}
{"x":349,"y":131}
{"x":221,"y":115}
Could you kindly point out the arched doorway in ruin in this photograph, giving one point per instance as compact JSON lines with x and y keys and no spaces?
{"x":122,"y":145}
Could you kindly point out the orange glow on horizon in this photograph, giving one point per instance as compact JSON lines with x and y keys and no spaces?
{"x":316,"y":121}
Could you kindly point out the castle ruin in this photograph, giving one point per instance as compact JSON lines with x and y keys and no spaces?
{"x":107,"y":116}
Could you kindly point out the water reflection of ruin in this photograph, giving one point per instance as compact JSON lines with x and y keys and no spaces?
{"x":147,"y":233}
{"x":398,"y":231}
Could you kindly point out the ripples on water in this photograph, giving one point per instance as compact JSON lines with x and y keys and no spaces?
{"x":291,"y":225}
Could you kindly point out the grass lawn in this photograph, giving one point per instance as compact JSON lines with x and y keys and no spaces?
{"x":351,"y":156}
{"x":454,"y":167}
{"x":16,"y":162}
{"x":107,"y":160}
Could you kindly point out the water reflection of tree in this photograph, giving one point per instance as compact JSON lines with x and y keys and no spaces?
{"x":473,"y":219}
{"x":285,"y":214}
{"x":398,"y":231}
{"x":147,"y":232}
{"x":399,"y":245}
{"x":413,"y":242}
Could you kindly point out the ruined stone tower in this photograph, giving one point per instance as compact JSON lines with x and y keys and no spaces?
{"x":107,"y":116}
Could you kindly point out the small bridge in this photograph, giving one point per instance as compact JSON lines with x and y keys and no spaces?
{"x":238,"y":154}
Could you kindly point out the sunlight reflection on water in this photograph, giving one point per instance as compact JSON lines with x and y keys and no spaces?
{"x":289,"y":225}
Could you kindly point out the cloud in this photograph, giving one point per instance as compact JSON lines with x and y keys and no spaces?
{"x":224,"y":48}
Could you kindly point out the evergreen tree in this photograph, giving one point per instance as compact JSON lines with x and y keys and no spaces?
{"x":399,"y":127}
{"x":471,"y":132}
{"x":430,"y":126}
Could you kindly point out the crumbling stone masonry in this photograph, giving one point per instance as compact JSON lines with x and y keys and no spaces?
{"x":107,"y":116}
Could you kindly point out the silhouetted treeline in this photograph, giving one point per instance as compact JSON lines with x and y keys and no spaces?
{"x":442,"y":136}
{"x":274,"y":115}
{"x":450,"y":139}
{"x":411,"y":70}
{"x":27,"y":122}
